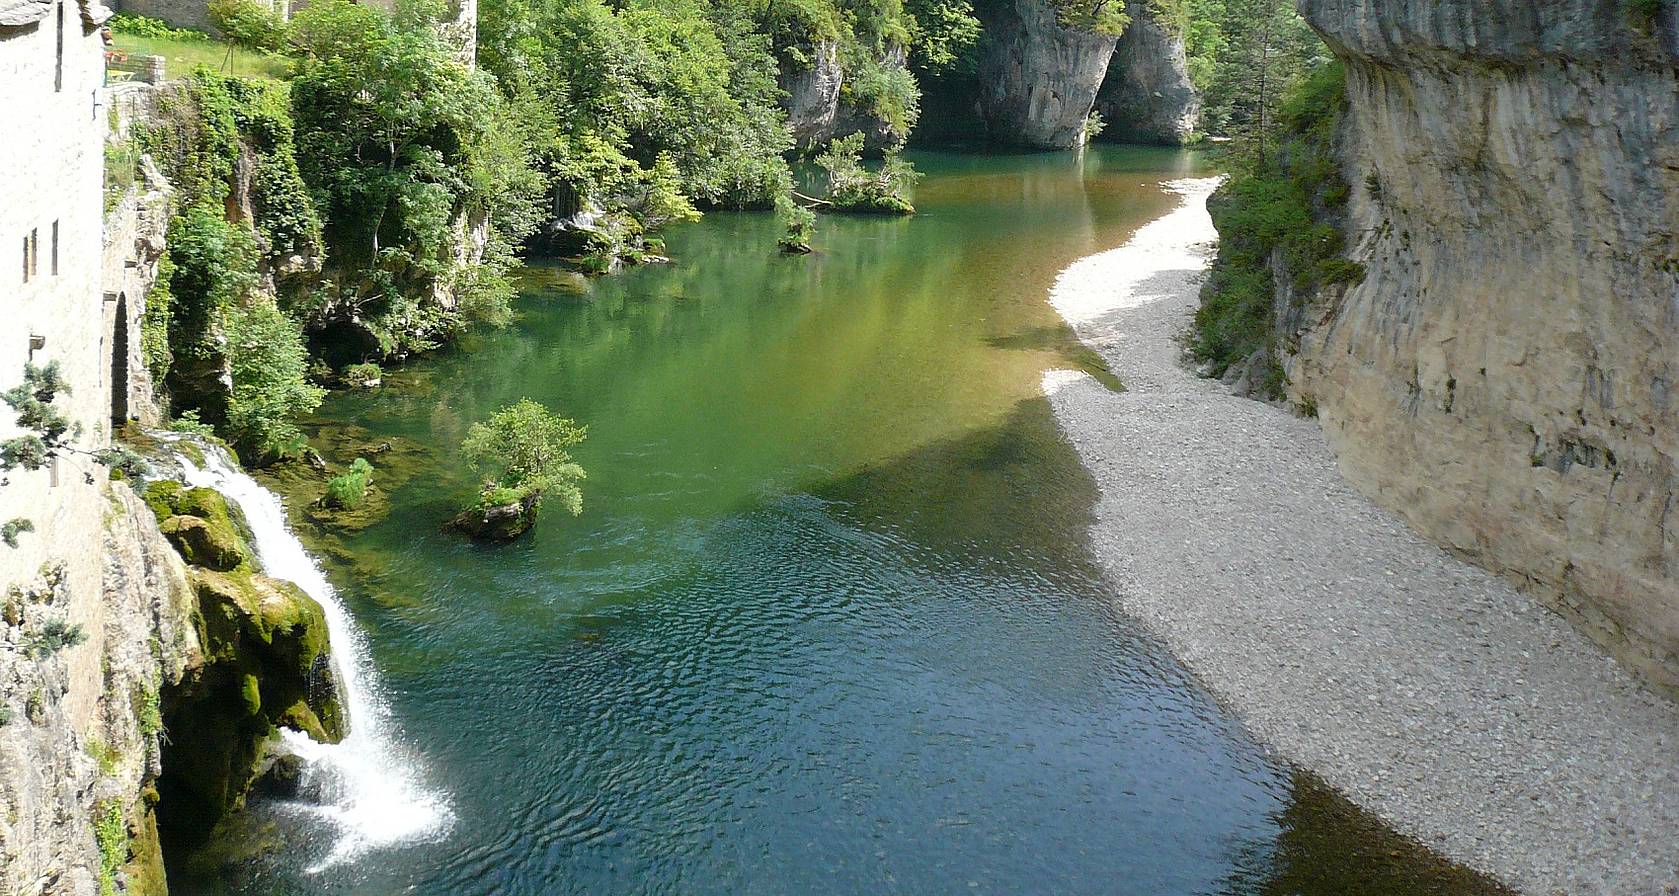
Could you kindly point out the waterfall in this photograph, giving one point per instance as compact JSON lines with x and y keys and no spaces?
{"x":372,"y":790}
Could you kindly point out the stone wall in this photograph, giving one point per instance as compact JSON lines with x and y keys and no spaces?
{"x":1504,"y":375}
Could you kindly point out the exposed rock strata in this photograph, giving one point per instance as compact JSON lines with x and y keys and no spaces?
{"x":1038,"y":78}
{"x":1504,"y":375}
{"x":1148,"y":96}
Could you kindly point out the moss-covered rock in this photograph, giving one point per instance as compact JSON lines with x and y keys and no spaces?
{"x":266,"y":664}
{"x":212,"y":544}
{"x":498,"y":522}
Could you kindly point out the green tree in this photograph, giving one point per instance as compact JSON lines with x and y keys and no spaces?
{"x":407,"y":149}
{"x":269,"y":363}
{"x":521,"y":452}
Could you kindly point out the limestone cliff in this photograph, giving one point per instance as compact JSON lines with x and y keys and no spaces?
{"x":150,"y":700}
{"x":819,"y":108}
{"x":1147,"y":96}
{"x":1504,"y":375}
{"x":1037,"y":77}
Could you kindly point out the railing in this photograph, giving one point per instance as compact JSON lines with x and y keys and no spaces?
{"x":121,"y":67}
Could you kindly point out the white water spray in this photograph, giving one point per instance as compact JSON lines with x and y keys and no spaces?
{"x":372,"y":791}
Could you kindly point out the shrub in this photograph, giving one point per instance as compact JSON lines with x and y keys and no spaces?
{"x":266,"y":353}
{"x":249,"y":24}
{"x":852,"y":187}
{"x":46,"y":427}
{"x":798,"y":224}
{"x":142,"y":26}
{"x":364,"y":375}
{"x":54,"y":635}
{"x":13,"y":528}
{"x":349,"y":490}
{"x":1276,"y":211}
{"x":522,"y":448}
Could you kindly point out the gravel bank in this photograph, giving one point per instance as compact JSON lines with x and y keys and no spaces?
{"x":1427,"y":690}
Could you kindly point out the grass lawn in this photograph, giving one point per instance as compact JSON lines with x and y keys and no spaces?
{"x":182,"y":55}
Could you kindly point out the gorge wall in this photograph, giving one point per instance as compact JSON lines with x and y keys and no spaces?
{"x":1504,"y":375}
{"x":1147,"y":95}
{"x":1037,"y":77}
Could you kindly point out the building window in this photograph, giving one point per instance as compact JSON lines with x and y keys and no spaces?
{"x":58,"y":73}
{"x":55,"y":248}
{"x":31,"y":248}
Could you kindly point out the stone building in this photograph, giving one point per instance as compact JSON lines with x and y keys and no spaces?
{"x":52,"y":304}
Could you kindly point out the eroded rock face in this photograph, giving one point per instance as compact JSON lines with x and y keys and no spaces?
{"x":818,"y":109}
{"x":1504,"y":376}
{"x":81,"y":739}
{"x":813,"y":95}
{"x":261,"y":660}
{"x":1038,"y":79}
{"x":1148,"y":96}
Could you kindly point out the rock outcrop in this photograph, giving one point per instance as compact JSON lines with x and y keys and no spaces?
{"x":136,"y":715}
{"x":1038,"y":78}
{"x":1148,"y":96}
{"x":1504,"y":376}
{"x":81,"y":724}
{"x":819,"y":109}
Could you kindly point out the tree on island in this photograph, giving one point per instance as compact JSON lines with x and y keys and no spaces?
{"x":521,"y":453}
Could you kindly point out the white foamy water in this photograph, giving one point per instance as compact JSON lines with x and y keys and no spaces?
{"x":372,"y":791}
{"x":1118,"y":278}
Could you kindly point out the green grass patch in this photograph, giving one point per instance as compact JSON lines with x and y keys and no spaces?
{"x":183,"y":54}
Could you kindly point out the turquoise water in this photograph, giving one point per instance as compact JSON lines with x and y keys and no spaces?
{"x":827,"y":623}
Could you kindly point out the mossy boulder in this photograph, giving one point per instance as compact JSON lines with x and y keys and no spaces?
{"x":200,"y":524}
{"x":498,"y":521}
{"x":265,"y":664}
{"x":201,"y":542}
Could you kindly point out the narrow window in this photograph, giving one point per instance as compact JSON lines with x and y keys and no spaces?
{"x":34,"y":252}
{"x":58,"y":74}
{"x":26,"y":259}
{"x":55,"y":248}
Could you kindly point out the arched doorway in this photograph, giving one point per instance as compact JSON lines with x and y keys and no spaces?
{"x":119,"y":364}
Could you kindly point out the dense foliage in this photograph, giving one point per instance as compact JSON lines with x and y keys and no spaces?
{"x":855,"y":187}
{"x":1276,"y":211}
{"x":1242,"y":55}
{"x":216,"y":311}
{"x":408,"y":151}
{"x":521,"y":453}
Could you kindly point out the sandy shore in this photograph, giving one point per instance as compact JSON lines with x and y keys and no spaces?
{"x":1427,"y":690}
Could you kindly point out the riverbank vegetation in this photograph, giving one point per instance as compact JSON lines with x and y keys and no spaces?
{"x":366,"y":201}
{"x":1277,"y":221}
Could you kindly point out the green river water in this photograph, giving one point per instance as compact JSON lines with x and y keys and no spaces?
{"x":827,"y":623}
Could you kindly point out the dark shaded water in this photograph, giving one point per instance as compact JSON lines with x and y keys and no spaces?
{"x":827,"y":624}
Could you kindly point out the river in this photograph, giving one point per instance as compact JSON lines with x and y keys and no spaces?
{"x":827,"y":623}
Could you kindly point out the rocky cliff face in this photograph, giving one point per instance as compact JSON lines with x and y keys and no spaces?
{"x":1037,"y":78}
{"x":818,"y":109}
{"x":158,"y":707}
{"x":1504,"y":376}
{"x":1148,"y":96}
